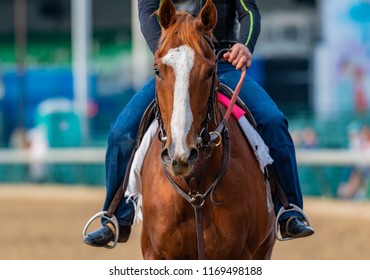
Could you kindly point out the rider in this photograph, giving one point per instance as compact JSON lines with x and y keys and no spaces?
{"x":272,"y":124}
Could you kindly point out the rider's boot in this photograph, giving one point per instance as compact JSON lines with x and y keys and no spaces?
{"x":295,"y":227}
{"x":106,"y":234}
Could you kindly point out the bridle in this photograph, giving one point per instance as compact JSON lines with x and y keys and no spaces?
{"x":204,"y":136}
{"x":206,"y":142}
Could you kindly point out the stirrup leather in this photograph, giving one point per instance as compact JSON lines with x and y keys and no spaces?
{"x":283,"y":210}
{"x":113,"y":220}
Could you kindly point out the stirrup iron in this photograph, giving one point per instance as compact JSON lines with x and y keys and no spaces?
{"x":113,"y":220}
{"x":283,"y":210}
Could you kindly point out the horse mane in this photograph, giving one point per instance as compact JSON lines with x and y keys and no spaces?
{"x":188,"y":30}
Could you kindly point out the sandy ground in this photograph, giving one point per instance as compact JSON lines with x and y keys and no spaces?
{"x":46,"y":223}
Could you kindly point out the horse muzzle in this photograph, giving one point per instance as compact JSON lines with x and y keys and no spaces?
{"x":180,"y":165}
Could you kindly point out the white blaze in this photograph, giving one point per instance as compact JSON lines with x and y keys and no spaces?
{"x":181,"y":59}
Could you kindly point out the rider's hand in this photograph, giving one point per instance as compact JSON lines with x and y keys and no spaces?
{"x":240,"y":56}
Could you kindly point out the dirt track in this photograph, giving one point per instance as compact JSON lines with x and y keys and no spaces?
{"x":46,"y":222}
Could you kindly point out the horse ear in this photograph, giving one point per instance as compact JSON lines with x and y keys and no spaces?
{"x":166,"y":13}
{"x":208,"y":16}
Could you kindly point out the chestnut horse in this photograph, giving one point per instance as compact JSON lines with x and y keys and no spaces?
{"x":204,"y":195}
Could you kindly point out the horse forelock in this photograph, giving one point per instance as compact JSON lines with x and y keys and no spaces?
{"x":186,"y":30}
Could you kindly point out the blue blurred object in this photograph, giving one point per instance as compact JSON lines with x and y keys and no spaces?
{"x":361,"y":12}
{"x":31,"y":89}
{"x":60,"y":122}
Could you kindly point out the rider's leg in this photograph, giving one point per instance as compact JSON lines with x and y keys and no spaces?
{"x":121,"y":142}
{"x":273,"y":128}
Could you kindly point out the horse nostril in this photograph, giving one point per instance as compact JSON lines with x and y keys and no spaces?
{"x":165,"y":156}
{"x":194,"y":154}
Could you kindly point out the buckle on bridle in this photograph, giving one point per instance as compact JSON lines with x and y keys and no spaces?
{"x":162,"y":137}
{"x":218,"y":136}
{"x":196,"y":199}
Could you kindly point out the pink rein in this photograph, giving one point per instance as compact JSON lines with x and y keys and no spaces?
{"x":230,"y":103}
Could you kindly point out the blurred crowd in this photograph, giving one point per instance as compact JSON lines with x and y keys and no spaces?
{"x":354,"y":185}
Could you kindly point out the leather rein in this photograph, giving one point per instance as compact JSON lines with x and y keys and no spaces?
{"x":207,"y":141}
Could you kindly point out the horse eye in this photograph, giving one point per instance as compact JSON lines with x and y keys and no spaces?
{"x":210,"y":73}
{"x":156,"y":72}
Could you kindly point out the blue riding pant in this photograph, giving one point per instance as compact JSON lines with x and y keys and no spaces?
{"x":272,"y":126}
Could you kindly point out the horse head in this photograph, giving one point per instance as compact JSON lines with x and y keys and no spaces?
{"x":185,"y":65}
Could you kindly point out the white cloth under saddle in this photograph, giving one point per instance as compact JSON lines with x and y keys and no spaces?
{"x":134,"y":187}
